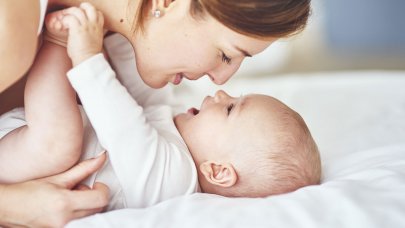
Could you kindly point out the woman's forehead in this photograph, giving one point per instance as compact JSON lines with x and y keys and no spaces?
{"x":246,"y":44}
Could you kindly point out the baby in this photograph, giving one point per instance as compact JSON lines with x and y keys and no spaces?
{"x":250,"y":146}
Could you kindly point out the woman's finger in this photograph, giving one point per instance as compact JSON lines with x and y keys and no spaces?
{"x":100,"y":18}
{"x":79,"y":172}
{"x":81,"y":187}
{"x":97,"y":197}
{"x":82,"y":213}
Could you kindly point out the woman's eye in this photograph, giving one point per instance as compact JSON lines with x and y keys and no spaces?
{"x":226,"y":59}
{"x":229,"y":109}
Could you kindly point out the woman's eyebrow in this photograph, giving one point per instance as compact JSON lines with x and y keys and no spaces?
{"x":245,"y":53}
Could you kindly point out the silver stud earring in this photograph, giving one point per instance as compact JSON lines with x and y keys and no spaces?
{"x":156,"y":13}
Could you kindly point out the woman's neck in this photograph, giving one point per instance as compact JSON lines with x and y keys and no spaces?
{"x":119,"y":15}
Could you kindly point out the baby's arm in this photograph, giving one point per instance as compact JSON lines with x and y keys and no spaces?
{"x":51,"y":141}
{"x":145,"y":163}
{"x":109,"y":106}
{"x":149,"y":166}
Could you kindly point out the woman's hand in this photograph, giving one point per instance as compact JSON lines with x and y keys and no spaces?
{"x":52,"y":201}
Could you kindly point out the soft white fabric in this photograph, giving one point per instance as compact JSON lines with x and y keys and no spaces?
{"x":11,"y":120}
{"x":358,"y":121}
{"x":43,"y":4}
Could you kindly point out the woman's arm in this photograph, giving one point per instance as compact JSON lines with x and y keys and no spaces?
{"x":19,"y":22}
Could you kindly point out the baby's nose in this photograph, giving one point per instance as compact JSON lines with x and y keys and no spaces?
{"x":220,"y":95}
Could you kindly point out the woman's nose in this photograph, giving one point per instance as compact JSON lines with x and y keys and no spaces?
{"x":219,"y":79}
{"x":223,"y":73}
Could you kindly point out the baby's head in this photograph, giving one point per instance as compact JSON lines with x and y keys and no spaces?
{"x":251,"y":146}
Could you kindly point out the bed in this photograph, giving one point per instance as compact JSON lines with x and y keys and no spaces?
{"x":358,"y":121}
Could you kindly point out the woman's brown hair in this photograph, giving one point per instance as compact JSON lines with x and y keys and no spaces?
{"x":256,"y":18}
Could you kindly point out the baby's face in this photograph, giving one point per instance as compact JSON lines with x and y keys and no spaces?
{"x":224,"y":123}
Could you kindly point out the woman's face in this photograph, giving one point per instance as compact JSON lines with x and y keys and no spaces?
{"x":177,"y":46}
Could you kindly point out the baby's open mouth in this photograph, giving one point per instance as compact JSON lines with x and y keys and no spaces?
{"x":193,"y":111}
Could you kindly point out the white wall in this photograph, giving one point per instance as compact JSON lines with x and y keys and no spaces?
{"x":311,"y":51}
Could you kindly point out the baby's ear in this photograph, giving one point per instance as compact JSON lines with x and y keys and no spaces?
{"x":219,"y":174}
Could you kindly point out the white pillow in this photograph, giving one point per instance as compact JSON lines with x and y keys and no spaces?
{"x":358,"y":120}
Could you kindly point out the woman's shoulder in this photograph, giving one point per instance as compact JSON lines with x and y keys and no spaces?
{"x":19,"y":22}
{"x":19,"y":17}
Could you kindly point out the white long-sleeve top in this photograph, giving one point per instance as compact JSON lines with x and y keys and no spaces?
{"x":148,"y":160}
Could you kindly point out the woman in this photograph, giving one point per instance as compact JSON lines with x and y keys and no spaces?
{"x":172,"y":40}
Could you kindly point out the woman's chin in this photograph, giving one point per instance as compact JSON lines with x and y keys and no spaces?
{"x":155,"y":84}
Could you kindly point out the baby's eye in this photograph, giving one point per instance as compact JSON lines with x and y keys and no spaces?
{"x":229,"y":109}
{"x":226,"y":59}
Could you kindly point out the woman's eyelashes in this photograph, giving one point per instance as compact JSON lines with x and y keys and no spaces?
{"x":226,"y":59}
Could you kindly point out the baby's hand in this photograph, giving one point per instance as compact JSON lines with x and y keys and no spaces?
{"x":85,"y":38}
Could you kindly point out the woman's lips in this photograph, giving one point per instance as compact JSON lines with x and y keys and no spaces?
{"x":178,"y":78}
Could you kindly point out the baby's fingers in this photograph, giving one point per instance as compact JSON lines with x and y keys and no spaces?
{"x":76,"y":12}
{"x":90,"y":11}
{"x":100,"y":18}
{"x":71,"y":22}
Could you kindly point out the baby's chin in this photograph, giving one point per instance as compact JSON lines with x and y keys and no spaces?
{"x":177,"y":119}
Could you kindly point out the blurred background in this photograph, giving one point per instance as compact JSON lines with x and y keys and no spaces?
{"x":341,"y":35}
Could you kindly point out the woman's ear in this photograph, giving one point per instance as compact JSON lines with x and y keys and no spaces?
{"x":168,"y":3}
{"x":219,"y":174}
{"x":159,"y":7}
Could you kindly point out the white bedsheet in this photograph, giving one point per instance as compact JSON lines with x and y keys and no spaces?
{"x":358,"y":121}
